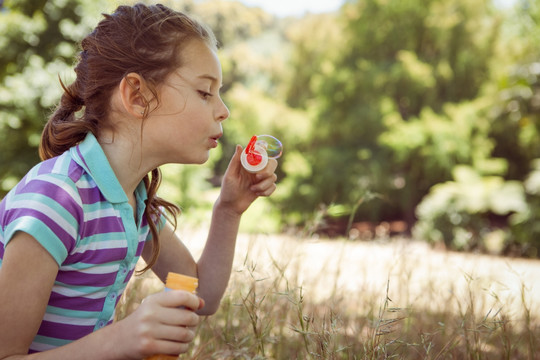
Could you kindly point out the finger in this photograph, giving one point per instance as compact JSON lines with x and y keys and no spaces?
{"x":268,"y":170}
{"x":201,"y":303}
{"x":264,"y":184}
{"x":177,"y":317}
{"x":175,"y":299}
{"x":177,"y":334}
{"x":268,"y":191}
{"x":172,"y":347}
{"x":234,"y":163}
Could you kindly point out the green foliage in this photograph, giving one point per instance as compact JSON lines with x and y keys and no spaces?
{"x":387,"y":98}
{"x":404,"y":63}
{"x":455,"y":212}
{"x":36,"y":47}
{"x":525,"y":226}
{"x":458,"y":213}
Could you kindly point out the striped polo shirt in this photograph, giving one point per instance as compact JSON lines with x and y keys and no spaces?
{"x":75,"y":207}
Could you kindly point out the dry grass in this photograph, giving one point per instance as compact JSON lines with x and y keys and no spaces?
{"x":293,"y":298}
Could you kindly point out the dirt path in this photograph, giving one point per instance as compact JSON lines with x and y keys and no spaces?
{"x":415,"y":273}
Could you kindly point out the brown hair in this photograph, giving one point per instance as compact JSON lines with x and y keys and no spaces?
{"x":141,"y":39}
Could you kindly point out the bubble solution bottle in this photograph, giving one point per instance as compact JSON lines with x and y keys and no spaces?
{"x":257,"y":152}
{"x":177,"y":282}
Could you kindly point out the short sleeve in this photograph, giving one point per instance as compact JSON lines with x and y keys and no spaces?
{"x":48,"y":208}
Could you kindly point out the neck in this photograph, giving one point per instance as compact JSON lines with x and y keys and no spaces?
{"x":126,"y":159}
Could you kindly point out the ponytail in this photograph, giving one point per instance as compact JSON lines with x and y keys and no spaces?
{"x":63,"y":131}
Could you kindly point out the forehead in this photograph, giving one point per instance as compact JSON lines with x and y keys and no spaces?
{"x":200,"y":61}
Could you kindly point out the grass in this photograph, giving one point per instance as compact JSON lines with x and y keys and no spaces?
{"x":303,"y":299}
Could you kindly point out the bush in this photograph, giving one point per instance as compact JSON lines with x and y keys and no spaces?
{"x":459,"y":213}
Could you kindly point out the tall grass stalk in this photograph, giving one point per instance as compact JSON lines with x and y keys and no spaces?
{"x":274,"y":310}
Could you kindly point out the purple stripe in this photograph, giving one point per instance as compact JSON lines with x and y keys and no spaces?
{"x":46,"y":166}
{"x":3,"y":205}
{"x":98,"y":257}
{"x":45,"y":188}
{"x":144,"y":222}
{"x":74,"y":171}
{"x":60,"y":232}
{"x":56,"y":193}
{"x":140,"y":248}
{"x":102,"y":225}
{"x":75,"y":278}
{"x":64,"y":331}
{"x":76,"y":303}
{"x":128,"y":276}
{"x":91,"y":195}
{"x":82,"y":157}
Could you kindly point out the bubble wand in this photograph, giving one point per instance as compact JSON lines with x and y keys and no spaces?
{"x":257,"y":152}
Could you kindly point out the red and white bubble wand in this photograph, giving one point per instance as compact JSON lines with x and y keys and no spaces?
{"x":257,"y":152}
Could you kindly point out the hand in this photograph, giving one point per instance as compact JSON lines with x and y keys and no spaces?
{"x":240,"y":188}
{"x":163,"y":324}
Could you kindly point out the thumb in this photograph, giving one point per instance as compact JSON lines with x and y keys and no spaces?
{"x":235,"y":164}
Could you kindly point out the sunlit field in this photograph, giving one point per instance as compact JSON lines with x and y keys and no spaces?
{"x":307,"y":298}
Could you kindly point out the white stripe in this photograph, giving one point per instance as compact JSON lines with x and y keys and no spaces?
{"x":40,"y":347}
{"x":64,"y":185}
{"x":85,"y":184}
{"x":97,"y":214}
{"x":100,"y":245}
{"x":47,"y":210}
{"x":59,"y":164}
{"x":73,"y":293}
{"x":68,"y":320}
{"x":31,"y":174}
{"x":96,"y":270}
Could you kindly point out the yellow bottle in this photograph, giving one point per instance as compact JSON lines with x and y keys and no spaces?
{"x":177,"y":282}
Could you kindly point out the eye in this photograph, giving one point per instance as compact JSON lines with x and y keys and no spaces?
{"x":205,"y":95}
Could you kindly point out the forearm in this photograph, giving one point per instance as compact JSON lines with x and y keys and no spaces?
{"x":215,"y":264}
{"x":102,"y":344}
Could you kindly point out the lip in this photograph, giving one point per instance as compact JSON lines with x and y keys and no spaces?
{"x":214,"y":140}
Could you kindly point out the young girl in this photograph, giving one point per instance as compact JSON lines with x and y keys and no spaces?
{"x":72,"y":230}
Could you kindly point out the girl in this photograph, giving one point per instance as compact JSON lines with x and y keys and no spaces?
{"x":72,"y":230}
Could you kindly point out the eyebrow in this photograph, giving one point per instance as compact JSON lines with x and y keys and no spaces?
{"x":208,"y":76}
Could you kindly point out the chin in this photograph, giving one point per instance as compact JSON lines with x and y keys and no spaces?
{"x":198,"y":161}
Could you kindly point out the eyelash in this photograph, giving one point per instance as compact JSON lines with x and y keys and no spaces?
{"x":205,"y":95}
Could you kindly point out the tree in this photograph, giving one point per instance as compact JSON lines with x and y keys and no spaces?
{"x":37,"y":46}
{"x":403,"y":62}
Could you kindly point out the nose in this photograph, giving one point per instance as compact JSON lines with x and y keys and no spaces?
{"x":222,"y":112}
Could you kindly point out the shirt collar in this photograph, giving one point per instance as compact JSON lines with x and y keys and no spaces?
{"x":91,"y":157}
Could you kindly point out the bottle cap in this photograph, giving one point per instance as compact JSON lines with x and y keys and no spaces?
{"x":181,"y":282}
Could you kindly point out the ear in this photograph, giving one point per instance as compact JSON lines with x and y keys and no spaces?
{"x":132,"y":92}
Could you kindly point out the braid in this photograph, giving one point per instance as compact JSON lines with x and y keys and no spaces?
{"x":63,"y":130}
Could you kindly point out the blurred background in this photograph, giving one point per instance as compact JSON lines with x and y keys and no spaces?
{"x":418,"y":117}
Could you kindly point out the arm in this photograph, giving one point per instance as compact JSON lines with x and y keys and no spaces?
{"x":239,"y":189}
{"x":26,"y":279}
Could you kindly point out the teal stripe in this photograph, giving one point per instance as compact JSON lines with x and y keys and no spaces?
{"x":45,"y":340}
{"x":102,"y":237}
{"x":77,"y":314}
{"x":52,"y":204}
{"x":84,"y":290}
{"x":84,"y":266}
{"x":41,"y":232}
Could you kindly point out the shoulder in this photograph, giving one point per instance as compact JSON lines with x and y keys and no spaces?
{"x":52,"y":182}
{"x":46,"y":204}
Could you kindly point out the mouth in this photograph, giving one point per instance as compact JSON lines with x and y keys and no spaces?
{"x":214,"y":140}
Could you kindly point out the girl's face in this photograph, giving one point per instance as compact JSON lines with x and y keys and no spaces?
{"x":186,"y":124}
